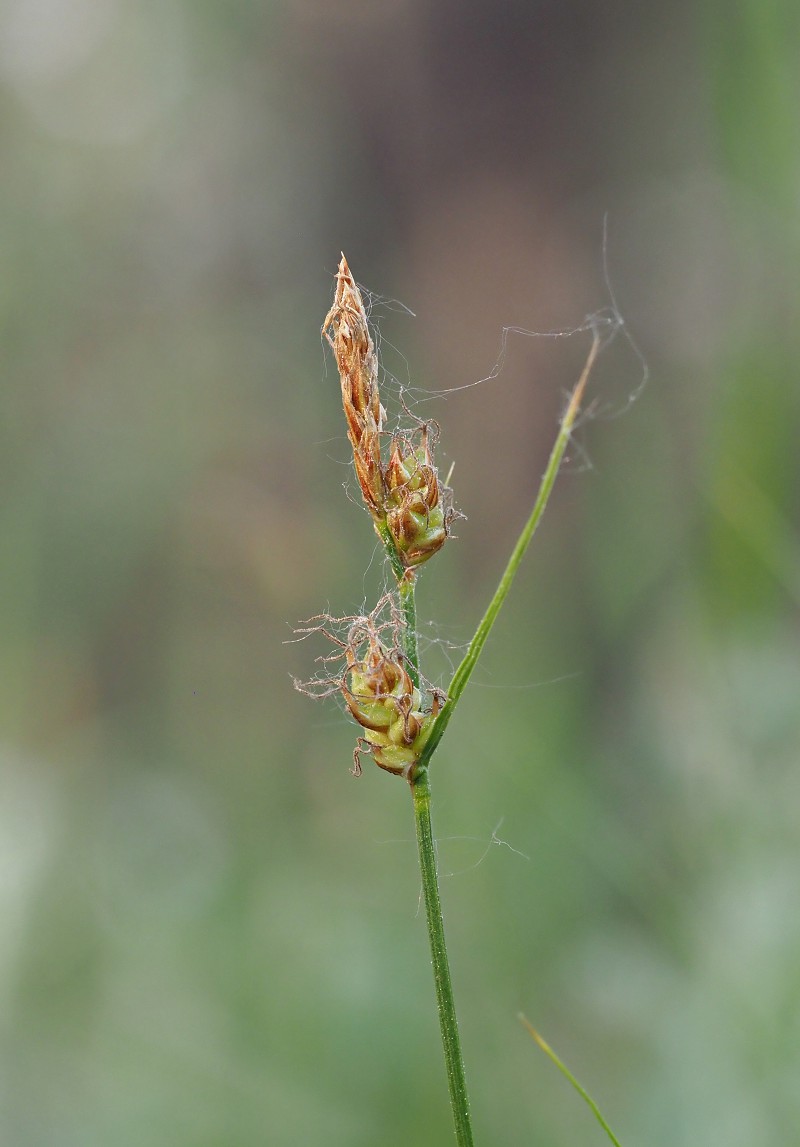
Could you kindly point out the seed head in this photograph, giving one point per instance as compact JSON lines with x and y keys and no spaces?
{"x":377,"y":687}
{"x":404,"y":496}
{"x":381,"y":696}
{"x":345,"y":327}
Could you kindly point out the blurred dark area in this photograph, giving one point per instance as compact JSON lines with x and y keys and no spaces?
{"x":211,"y":931}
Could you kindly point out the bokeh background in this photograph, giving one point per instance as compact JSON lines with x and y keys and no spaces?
{"x":210,"y":932}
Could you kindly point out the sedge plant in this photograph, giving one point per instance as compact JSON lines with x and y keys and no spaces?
{"x":374,"y":664}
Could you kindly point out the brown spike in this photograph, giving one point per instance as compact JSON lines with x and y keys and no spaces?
{"x":346,"y":329}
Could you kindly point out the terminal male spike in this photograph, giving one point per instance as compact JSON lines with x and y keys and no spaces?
{"x":404,"y":495}
{"x":347,"y":331}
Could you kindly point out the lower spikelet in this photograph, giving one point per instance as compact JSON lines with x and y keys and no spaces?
{"x":376,"y":686}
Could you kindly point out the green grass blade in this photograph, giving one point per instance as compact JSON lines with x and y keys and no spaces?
{"x":562,"y":1067}
{"x":464,"y":671}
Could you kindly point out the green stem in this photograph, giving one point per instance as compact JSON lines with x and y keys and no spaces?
{"x":405,"y":585}
{"x":456,"y":1080}
{"x":421,"y":794}
{"x":464,"y":671}
{"x":565,"y":1071}
{"x":409,"y":606}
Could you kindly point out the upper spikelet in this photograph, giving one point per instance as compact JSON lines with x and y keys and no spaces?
{"x":346,"y":329}
{"x":411,"y":509}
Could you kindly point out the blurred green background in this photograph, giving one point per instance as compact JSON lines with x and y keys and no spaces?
{"x":210,"y":932}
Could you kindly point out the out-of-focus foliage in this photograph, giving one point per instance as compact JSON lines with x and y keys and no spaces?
{"x":210,"y":931}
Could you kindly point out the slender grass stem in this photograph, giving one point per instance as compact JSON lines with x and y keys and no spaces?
{"x":408,"y":604}
{"x":464,"y":670}
{"x":454,"y":1063}
{"x":565,"y":1071}
{"x":406,"y":584}
{"x":421,"y":794}
{"x":398,"y":569}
